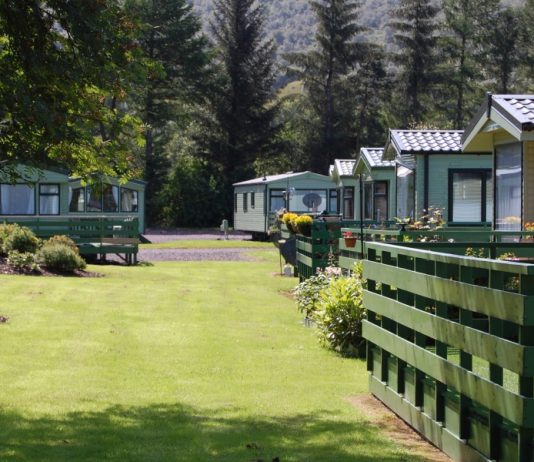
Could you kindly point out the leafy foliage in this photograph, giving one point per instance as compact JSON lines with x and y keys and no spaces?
{"x":60,"y":257}
{"x":63,"y":85}
{"x":22,"y":260}
{"x":63,"y":240}
{"x":340,"y":313}
{"x":18,"y":238}
{"x":191,"y":195}
{"x":308,"y":293}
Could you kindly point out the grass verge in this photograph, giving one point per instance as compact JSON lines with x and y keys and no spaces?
{"x":193,"y":362}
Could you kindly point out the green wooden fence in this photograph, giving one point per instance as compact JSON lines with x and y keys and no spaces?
{"x":313,"y":251}
{"x":451,"y":348}
{"x":93,"y":236}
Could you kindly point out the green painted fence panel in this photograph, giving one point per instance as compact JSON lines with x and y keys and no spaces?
{"x":451,"y":340}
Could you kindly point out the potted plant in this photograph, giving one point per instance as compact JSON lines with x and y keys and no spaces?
{"x":350,"y":238}
{"x":304,"y":225}
{"x":529,"y":227}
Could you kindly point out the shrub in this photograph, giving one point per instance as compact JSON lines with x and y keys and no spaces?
{"x":308,"y":292}
{"x":64,"y":240}
{"x":340,"y":312}
{"x":22,"y":260}
{"x":60,"y":257}
{"x":19,"y":238}
{"x":5,"y":230}
{"x":304,"y":224}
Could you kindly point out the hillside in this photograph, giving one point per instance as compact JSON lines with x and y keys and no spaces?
{"x":292,"y":22}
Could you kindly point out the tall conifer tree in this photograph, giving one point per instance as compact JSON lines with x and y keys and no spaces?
{"x":177,"y":66}
{"x":328,"y":71}
{"x":465,"y":25}
{"x":415,"y":28}
{"x":243,"y":117}
{"x":503,"y":50}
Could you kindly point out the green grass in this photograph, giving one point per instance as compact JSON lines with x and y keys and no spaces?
{"x":174,"y":362}
{"x":208,"y":244}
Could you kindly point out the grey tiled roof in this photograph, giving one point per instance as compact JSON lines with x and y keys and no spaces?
{"x":345,"y":167}
{"x":422,"y":141}
{"x":374,"y":158}
{"x":269,"y":178}
{"x":520,"y":107}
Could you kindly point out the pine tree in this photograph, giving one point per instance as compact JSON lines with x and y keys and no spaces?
{"x":242,"y":113}
{"x":415,"y":28}
{"x":177,"y":66}
{"x":527,"y":29}
{"x":328,"y":72}
{"x":465,"y":25}
{"x":503,"y":53}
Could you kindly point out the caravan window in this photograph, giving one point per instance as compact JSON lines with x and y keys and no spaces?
{"x":348,"y":203}
{"x":375,"y":200}
{"x":276,"y":200}
{"x":405,"y":192}
{"x":470,"y":196}
{"x":49,"y":199}
{"x":129,"y":200}
{"x":110,"y":198}
{"x":308,"y":200}
{"x":333,"y":205}
{"x":77,"y":200}
{"x":508,"y":187}
{"x":17,"y":199}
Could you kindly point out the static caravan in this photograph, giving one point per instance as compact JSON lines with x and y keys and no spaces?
{"x":432,"y":171}
{"x":504,"y":125}
{"x":342,"y":175}
{"x":257,"y":201}
{"x":377,"y":187}
{"x":36,"y":193}
{"x":51,"y":195}
{"x":108,"y":197}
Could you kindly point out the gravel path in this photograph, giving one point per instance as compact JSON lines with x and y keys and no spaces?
{"x":157,"y":236}
{"x":195,"y":254}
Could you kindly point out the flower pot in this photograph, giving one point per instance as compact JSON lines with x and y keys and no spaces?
{"x":350,"y":241}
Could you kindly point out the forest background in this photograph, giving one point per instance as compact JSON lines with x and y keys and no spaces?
{"x":193,"y":98}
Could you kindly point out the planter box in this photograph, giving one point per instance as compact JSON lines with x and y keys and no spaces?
{"x":429,"y":397}
{"x":393,"y":375}
{"x":479,"y":431}
{"x":452,"y":411}
{"x":409,"y":384}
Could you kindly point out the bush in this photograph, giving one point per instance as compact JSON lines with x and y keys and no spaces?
{"x":64,"y":240}
{"x":340,"y":312}
{"x":60,"y":257}
{"x":308,"y":292}
{"x":19,"y":238}
{"x":5,"y":230}
{"x":304,"y":224}
{"x":22,"y":260}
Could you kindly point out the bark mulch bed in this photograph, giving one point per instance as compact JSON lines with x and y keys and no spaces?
{"x":7,"y":269}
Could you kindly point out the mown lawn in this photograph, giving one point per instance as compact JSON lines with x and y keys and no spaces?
{"x":190,"y":362}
